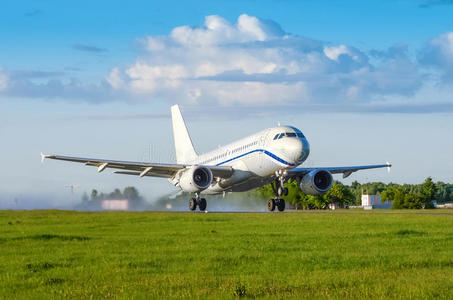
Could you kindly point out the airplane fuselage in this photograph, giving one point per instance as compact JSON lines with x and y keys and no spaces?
{"x":255,"y":159}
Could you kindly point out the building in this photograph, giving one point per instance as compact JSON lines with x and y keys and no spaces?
{"x":374,"y":201}
{"x":444,"y":205}
{"x":115,"y":204}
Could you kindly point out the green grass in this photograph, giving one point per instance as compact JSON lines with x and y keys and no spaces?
{"x":342,"y":254}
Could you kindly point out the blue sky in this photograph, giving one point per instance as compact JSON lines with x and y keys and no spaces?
{"x":367,"y":81}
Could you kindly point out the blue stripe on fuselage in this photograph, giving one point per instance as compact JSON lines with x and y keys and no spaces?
{"x":259,"y":150}
{"x":278,"y":158}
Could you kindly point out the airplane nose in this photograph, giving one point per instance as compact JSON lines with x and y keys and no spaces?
{"x":293,"y":149}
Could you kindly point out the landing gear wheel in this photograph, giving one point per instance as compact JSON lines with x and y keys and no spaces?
{"x":202,"y":204}
{"x":281,"y":205}
{"x":271,"y":204}
{"x":193,"y":204}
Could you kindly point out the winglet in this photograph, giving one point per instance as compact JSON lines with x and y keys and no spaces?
{"x":43,"y":157}
{"x":389,"y":166}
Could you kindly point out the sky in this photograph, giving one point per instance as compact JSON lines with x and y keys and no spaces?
{"x":366,"y":81}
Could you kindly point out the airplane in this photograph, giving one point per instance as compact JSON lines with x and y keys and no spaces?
{"x":272,"y":156}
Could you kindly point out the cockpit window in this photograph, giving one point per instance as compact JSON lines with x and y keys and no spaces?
{"x":297,"y":133}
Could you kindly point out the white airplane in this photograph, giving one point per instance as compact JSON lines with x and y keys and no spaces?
{"x":269,"y":156}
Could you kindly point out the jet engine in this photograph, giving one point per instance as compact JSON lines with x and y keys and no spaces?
{"x":195,"y":179}
{"x":317,"y":182}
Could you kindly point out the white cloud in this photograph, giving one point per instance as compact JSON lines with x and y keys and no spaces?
{"x":251,"y":27}
{"x":442,"y":46}
{"x":154,"y":44}
{"x":115,"y":78}
{"x":254,"y":61}
{"x":144,"y":77}
{"x":251,"y":62}
{"x":445,"y":42}
{"x":218,"y":31}
{"x":438,"y":53}
{"x":334,"y":52}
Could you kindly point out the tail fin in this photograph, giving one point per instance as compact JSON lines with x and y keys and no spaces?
{"x":183,"y":144}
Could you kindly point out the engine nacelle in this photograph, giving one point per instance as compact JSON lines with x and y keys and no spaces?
{"x":195,"y":179}
{"x":317,"y":182}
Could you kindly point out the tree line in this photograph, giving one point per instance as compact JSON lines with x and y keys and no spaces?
{"x":410,"y":196}
{"x":95,"y":198}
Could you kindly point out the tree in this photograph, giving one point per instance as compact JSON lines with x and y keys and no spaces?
{"x":302,"y":200}
{"x":317,"y":201}
{"x":131,"y":193}
{"x":403,"y":197}
{"x":116,"y":194}
{"x":444,"y":191}
{"x":294,"y":193}
{"x":339,"y":193}
{"x":428,"y":193}
{"x":413,"y":201}
{"x":264,"y":192}
{"x":94,"y":194}
{"x":85,"y":197}
{"x":396,"y":194}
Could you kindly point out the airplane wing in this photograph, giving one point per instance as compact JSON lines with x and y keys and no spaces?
{"x":336,"y":170}
{"x":139,"y":168}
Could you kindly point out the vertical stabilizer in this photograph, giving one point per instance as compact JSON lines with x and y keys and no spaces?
{"x":183,"y":144}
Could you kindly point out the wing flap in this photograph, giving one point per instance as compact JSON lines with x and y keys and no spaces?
{"x":140,"y":168}
{"x":150,"y":174}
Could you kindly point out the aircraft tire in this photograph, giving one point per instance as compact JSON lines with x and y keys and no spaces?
{"x":281,"y":205}
{"x":202,"y":204}
{"x":192,"y":204}
{"x":271,"y":204}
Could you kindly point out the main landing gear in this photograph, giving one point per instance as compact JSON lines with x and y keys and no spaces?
{"x":197,"y":201}
{"x":279,"y":190}
{"x":276,"y":202}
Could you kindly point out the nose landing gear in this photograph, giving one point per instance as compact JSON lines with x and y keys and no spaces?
{"x":197,"y":201}
{"x":279,"y":190}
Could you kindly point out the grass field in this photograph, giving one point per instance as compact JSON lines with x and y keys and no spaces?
{"x":342,"y":254}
